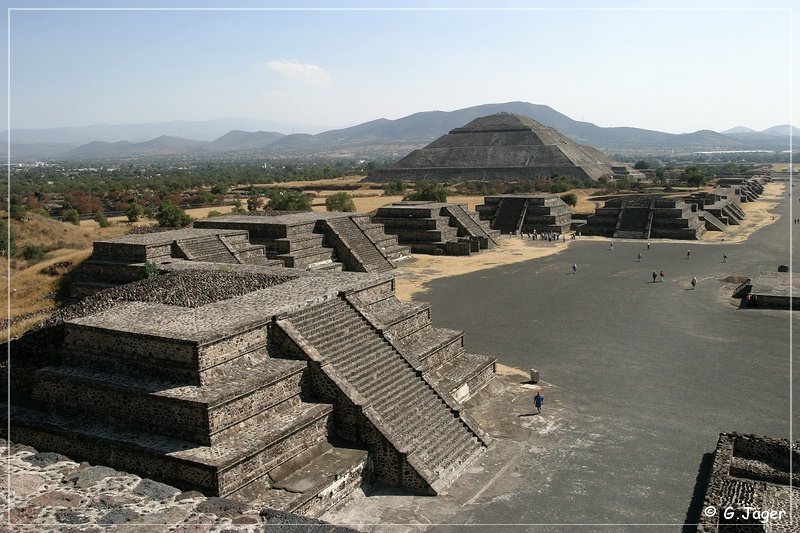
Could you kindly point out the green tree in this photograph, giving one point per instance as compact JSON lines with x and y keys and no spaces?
{"x":133,"y":212}
{"x":254,"y":202}
{"x":102,"y":219}
{"x":33,"y":252}
{"x":641,"y":165}
{"x":571,"y":199}
{"x":395,"y":187}
{"x":340,"y":201}
{"x":237,"y":206}
{"x":71,"y":216}
{"x":289,"y":200}
{"x":427,"y":191}
{"x":694,"y":177}
{"x":170,"y":215}
{"x":8,"y":246}
{"x":18,"y":212}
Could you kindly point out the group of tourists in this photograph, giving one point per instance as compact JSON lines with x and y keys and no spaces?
{"x":549,"y":236}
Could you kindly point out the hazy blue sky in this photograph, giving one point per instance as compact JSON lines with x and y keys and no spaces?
{"x":675,"y":70}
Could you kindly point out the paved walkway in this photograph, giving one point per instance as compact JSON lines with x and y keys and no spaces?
{"x":640,"y":378}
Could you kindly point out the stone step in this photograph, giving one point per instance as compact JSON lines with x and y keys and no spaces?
{"x":295,"y":243}
{"x":432,"y":346}
{"x":312,"y":482}
{"x":463,"y":375}
{"x":208,"y":414}
{"x":383,"y":363}
{"x":218,"y":470}
{"x":90,"y":342}
{"x":303,"y":258}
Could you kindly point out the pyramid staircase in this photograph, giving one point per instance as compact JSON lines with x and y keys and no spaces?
{"x":460,"y":218}
{"x":508,"y":213}
{"x":418,"y":435}
{"x":436,"y":352}
{"x":353,"y":247}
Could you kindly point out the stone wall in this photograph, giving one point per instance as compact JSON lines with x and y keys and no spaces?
{"x":750,"y":475}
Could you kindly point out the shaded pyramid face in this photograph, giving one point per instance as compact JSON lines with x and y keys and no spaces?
{"x":500,"y":146}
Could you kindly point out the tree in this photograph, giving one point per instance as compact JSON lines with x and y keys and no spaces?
{"x":102,"y":219}
{"x":7,"y":243}
{"x":694,"y":177}
{"x":18,"y":212}
{"x":71,"y":216}
{"x":341,"y":201}
{"x":571,"y":199}
{"x":427,"y":191}
{"x":33,"y":252}
{"x":133,"y":212}
{"x":170,"y":215}
{"x":254,"y":202}
{"x":289,"y":200}
{"x":395,"y":187}
{"x":641,"y":165}
{"x":237,"y":206}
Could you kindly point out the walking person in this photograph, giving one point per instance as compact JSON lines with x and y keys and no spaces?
{"x":538,"y":400}
{"x":648,"y":245}
{"x":688,"y":254}
{"x":724,"y":258}
{"x":574,"y":268}
{"x":662,"y":276}
{"x":655,"y":275}
{"x":611,"y":246}
{"x":639,"y":257}
{"x":694,"y":282}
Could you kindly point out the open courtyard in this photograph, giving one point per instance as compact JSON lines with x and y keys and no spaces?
{"x":639,"y":380}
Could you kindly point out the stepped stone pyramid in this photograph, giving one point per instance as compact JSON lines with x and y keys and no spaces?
{"x":120,"y":260}
{"x":646,"y":217}
{"x":515,"y":213}
{"x":436,"y":227}
{"x":330,"y":240}
{"x":335,"y":241}
{"x":281,"y":387}
{"x":503,"y":146}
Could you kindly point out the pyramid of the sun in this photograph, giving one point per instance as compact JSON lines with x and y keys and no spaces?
{"x":503,"y":146}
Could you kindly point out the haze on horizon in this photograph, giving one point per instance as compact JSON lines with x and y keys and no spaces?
{"x":673,"y":69}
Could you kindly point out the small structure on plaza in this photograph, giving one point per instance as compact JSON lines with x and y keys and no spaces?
{"x":283,"y":387}
{"x":645,"y":217}
{"x":751,"y":475}
{"x":770,"y":290}
{"x":526,"y":213}
{"x":503,"y":146}
{"x":436,"y":227}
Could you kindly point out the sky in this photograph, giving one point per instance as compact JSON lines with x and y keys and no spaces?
{"x":713,"y":65}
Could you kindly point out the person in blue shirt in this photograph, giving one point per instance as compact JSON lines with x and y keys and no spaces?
{"x":538,"y":400}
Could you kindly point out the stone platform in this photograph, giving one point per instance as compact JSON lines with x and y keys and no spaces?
{"x":346,"y":241}
{"x":645,"y":217}
{"x":526,"y":213}
{"x":235,"y":379}
{"x":770,"y":290}
{"x":436,"y":227}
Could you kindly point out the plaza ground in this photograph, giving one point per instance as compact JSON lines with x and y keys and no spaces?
{"x":639,"y":378}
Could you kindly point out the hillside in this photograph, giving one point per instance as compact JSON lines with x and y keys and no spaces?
{"x":33,"y":283}
{"x":391,"y":139}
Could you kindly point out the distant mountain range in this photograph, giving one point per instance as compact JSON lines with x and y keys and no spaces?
{"x":377,"y":139}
